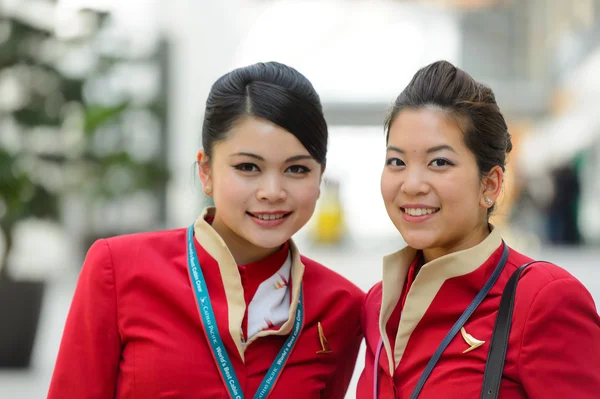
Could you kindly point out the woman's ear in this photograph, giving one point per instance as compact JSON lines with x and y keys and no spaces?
{"x":491,"y":187}
{"x":204,"y":171}
{"x":321,"y":180}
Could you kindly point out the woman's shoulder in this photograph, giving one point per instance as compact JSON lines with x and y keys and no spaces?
{"x":544,"y":282}
{"x":130,"y":252}
{"x":327,"y":280}
{"x":135,"y":241}
{"x":555,"y":324}
{"x":540,"y":272}
{"x":372,"y":302}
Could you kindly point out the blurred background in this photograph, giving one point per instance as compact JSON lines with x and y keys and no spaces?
{"x":101,"y":104}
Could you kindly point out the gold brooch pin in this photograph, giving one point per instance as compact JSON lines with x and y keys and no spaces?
{"x":325,"y":348}
{"x":473,"y":343}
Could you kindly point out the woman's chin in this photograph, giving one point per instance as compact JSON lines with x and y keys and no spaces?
{"x":269,"y":242}
{"x":418,"y":240}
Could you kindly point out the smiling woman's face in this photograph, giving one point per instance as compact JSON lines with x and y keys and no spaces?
{"x":431,"y":184}
{"x":265,"y":186}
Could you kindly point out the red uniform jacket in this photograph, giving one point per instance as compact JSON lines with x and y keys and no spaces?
{"x":134,"y":331}
{"x":554,"y":345}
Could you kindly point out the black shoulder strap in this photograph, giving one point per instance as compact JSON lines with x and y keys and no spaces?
{"x":497,"y":354}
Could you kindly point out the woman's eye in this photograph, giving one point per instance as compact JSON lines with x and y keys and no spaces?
{"x":247,"y":167}
{"x":441,"y":162}
{"x":394,"y":162}
{"x":298,"y":169}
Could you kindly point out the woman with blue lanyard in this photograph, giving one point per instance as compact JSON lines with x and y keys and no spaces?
{"x":449,"y":319}
{"x":227,"y":308}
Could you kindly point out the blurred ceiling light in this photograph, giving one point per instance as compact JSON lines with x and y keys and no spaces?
{"x":352,"y":51}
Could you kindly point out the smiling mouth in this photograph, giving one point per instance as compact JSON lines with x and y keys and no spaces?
{"x":265,"y":216}
{"x":420,"y":211}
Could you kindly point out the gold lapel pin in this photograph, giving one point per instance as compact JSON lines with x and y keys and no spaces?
{"x":473,"y":342}
{"x":325,"y":348}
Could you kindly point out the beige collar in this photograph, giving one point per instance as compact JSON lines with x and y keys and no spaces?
{"x":212,"y":243}
{"x":430,"y":279}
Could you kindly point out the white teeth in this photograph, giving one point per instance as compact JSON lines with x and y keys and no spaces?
{"x":269,"y":217}
{"x":419,"y":211}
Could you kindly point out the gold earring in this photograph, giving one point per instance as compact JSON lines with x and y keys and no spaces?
{"x":488,"y":201}
{"x":208,"y":189}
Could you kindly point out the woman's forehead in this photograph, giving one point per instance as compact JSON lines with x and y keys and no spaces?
{"x":424,"y":127}
{"x":262,"y":138}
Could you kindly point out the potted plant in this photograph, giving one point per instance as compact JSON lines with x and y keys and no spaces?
{"x":53,"y":134}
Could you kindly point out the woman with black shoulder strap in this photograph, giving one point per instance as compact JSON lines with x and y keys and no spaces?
{"x":438,"y":324}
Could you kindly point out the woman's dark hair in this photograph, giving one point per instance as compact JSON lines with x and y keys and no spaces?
{"x":443,"y":86}
{"x":271,"y":91}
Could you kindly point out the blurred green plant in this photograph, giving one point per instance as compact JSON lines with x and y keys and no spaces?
{"x":53,"y":138}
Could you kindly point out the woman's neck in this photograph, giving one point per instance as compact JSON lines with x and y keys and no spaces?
{"x":243,"y":252}
{"x":471,"y":240}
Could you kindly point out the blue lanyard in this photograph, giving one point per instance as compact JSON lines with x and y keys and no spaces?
{"x":211,"y":330}
{"x":449,"y":336}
